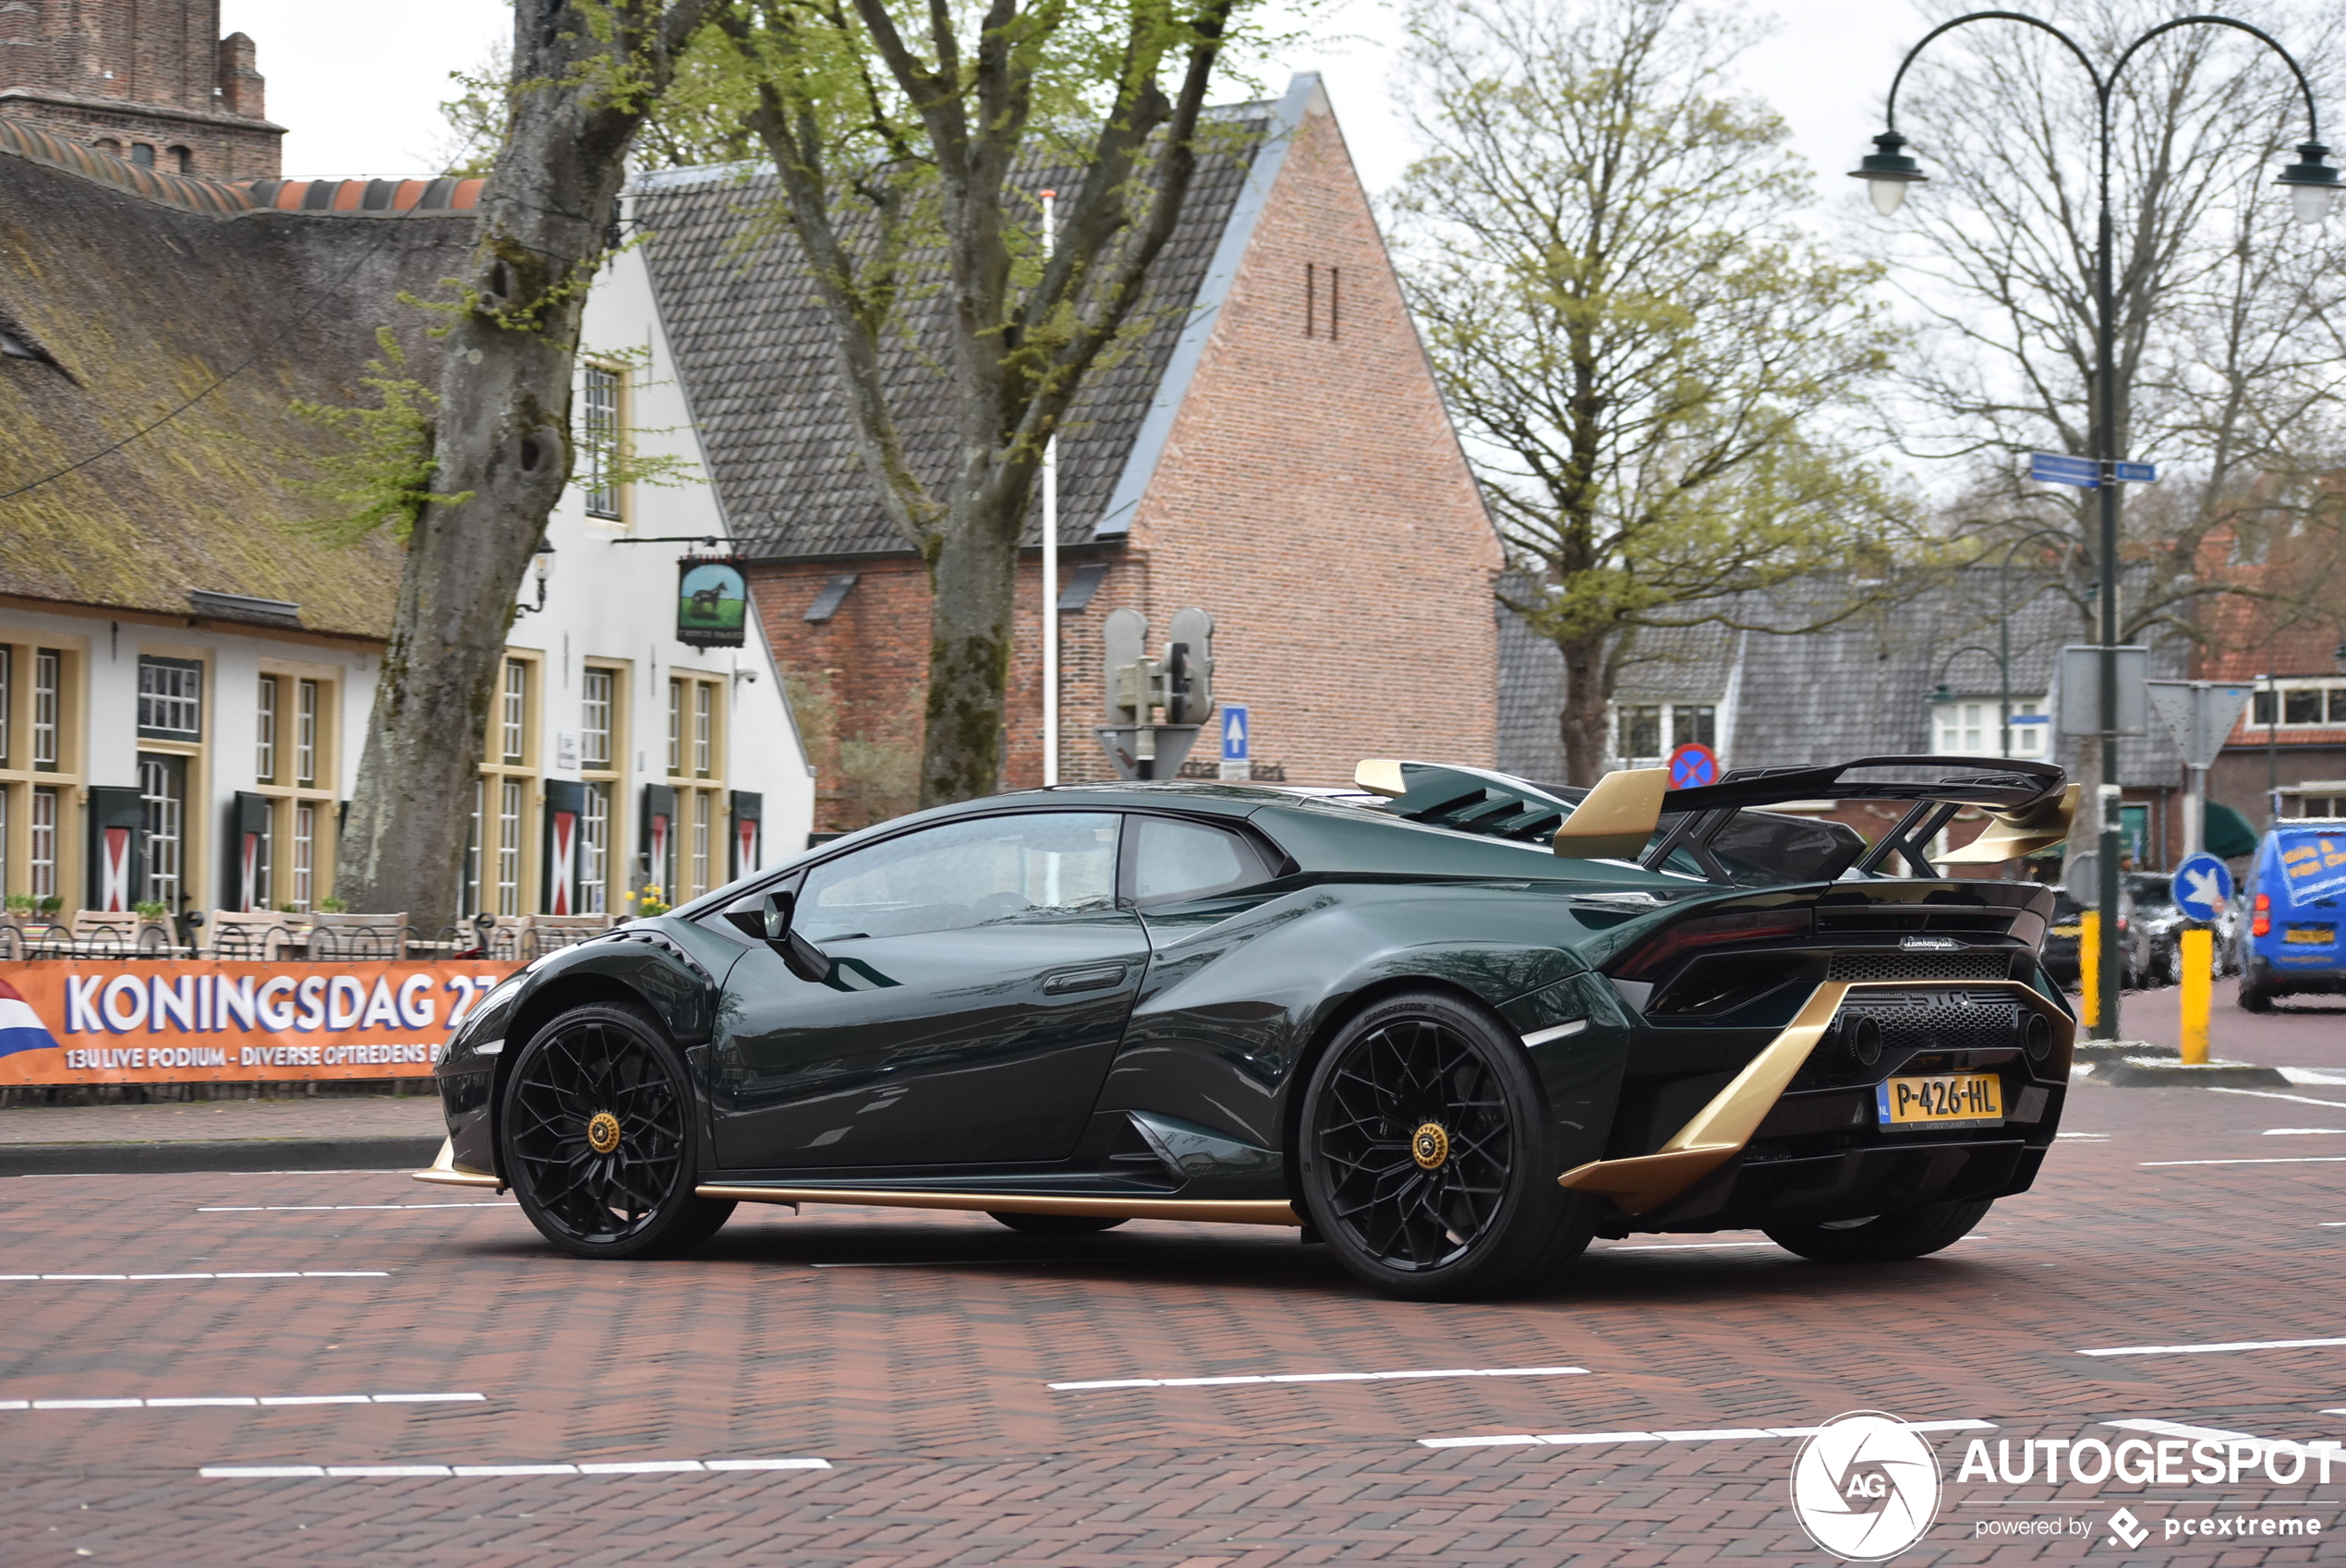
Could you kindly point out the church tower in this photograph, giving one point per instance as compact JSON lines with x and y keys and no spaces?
{"x":150,"y":81}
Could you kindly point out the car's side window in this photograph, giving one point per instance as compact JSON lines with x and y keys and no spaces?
{"x":1177,"y":858}
{"x":974,"y":872}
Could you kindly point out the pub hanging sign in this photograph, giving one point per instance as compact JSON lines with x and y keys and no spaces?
{"x":712,"y":602}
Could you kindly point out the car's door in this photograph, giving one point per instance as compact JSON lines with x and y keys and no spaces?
{"x":980,"y":972}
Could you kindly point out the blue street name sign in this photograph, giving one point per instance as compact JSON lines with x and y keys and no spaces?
{"x":2134,"y":473}
{"x":2052,"y":468}
{"x":1234,"y":735}
{"x":2202,"y":886}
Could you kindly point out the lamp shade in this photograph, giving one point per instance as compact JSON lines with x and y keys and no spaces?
{"x":1888,"y":172}
{"x":2313,"y":184}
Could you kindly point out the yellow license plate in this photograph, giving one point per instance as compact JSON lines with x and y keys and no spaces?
{"x":2068,"y":931}
{"x":2312,"y":935}
{"x":1963,"y":1099}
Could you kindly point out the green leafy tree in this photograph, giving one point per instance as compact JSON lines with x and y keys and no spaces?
{"x":1650,"y":362}
{"x":907,"y":140}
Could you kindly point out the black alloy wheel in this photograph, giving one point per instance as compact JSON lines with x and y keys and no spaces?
{"x":1882,"y":1238}
{"x":599,"y":1138}
{"x":1053,"y":1225}
{"x":1426,"y":1155}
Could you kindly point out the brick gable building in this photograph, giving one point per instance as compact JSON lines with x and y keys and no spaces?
{"x":150,"y":81}
{"x":1273,"y":449}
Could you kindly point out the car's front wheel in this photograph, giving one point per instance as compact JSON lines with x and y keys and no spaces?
{"x":599,"y":1139}
{"x":1427,"y":1159}
{"x":1882,"y":1238}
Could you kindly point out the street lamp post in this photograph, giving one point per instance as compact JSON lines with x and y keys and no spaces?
{"x":2313,"y":186}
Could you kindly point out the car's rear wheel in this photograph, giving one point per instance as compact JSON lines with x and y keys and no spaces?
{"x":601,"y":1141}
{"x":2255,"y":995}
{"x":1426,"y":1157}
{"x":1055,"y":1225}
{"x":1883,"y":1238}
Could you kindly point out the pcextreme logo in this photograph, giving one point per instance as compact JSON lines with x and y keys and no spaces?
{"x":1866,"y":1487}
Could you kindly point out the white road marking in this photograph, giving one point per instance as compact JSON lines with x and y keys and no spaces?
{"x":210,"y":1401}
{"x":1721,"y":1434}
{"x":1682,"y":1245}
{"x":337,"y":1208}
{"x":2314,"y":1075}
{"x":2213,"y":1349}
{"x":597,"y":1467}
{"x":272,"y":1274}
{"x":2176,"y":1429}
{"x":1326,"y":1378}
{"x":2301,"y":1131}
{"x":2287,"y":1160}
{"x":2276,"y":1095}
{"x":2093,"y":1136}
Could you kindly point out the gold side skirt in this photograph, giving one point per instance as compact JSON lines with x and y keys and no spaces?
{"x":444,"y":1171}
{"x":1229,"y":1211}
{"x":1721,"y":1130}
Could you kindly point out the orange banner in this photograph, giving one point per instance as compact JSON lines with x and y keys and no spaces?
{"x":99,"y":1021}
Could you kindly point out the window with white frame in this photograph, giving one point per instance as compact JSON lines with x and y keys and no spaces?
{"x":42,"y":880}
{"x":48,"y":706}
{"x":598,"y":702}
{"x":509,"y":821}
{"x":696,"y":766}
{"x":40,"y":752}
{"x":1967,"y":726}
{"x":304,"y":857}
{"x":170,"y":699}
{"x":2302,"y":704}
{"x":594,"y":850}
{"x":264,"y":745}
{"x":602,"y":404}
{"x":503,"y":881}
{"x":1644,"y":733}
{"x":513,"y":727}
{"x":163,"y":795}
{"x":306,"y":703}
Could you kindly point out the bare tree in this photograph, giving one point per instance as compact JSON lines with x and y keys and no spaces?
{"x":499,"y":450}
{"x":2227,"y":317}
{"x":906,"y":139}
{"x":1647,"y":357}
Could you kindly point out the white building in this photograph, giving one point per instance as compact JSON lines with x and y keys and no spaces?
{"x":186,"y":675}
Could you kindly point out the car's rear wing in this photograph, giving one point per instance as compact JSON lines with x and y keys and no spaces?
{"x":1634,"y":815}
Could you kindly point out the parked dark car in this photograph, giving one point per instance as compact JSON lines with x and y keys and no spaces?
{"x":2062,"y":939}
{"x":2161,"y":922}
{"x":1451,"y":1024}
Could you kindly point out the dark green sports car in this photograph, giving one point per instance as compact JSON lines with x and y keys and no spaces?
{"x":1451,"y":1024}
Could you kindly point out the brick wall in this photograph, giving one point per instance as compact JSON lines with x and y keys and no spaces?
{"x":1312,"y":497}
{"x":129,"y":74}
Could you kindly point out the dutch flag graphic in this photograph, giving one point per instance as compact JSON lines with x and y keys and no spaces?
{"x":21,"y":1027}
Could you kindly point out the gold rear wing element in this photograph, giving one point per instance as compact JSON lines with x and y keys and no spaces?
{"x":1615,"y":819}
{"x":2009,"y":836}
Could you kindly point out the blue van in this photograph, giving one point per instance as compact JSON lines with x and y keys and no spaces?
{"x":2293,"y":913}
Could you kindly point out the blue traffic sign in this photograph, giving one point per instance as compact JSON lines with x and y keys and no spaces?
{"x":2053,"y":468}
{"x":1234,"y":736}
{"x":2202,"y":886}
{"x":1692,"y":766}
{"x":2134,"y":473}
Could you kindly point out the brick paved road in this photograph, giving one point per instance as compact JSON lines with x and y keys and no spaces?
{"x":911,"y":1353}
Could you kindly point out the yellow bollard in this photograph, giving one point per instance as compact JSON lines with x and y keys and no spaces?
{"x":2089,"y":971}
{"x":2199,"y":973}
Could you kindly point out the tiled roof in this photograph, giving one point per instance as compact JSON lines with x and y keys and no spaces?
{"x":1862,"y":687}
{"x":176,"y":338}
{"x":757,"y":364}
{"x":225,"y":199}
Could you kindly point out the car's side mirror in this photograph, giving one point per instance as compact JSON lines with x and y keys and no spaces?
{"x":773,"y":925}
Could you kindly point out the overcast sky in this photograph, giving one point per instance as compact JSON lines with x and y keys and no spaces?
{"x":359,"y":86}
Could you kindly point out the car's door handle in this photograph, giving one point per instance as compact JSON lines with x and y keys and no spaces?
{"x":1098,"y":979}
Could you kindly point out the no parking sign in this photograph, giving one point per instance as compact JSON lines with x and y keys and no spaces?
{"x":1693,"y":765}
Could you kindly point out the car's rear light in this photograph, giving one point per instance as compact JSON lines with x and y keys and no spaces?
{"x":1673,"y":943}
{"x":2262,"y":924}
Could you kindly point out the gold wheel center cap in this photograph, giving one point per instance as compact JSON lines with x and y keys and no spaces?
{"x":602,"y":1132}
{"x":1430,"y":1146}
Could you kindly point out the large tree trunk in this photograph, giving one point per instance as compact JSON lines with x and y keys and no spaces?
{"x":501,"y":442}
{"x":1588,"y":708}
{"x":971,"y":633}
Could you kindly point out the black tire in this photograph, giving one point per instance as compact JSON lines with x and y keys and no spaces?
{"x":1427,"y":1157}
{"x":1055,"y":1225}
{"x":2254,"y":995}
{"x":1885,"y":1238}
{"x":597,"y":1072}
